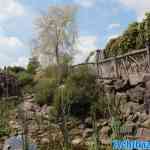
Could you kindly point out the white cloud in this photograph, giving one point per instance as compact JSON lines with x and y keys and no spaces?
{"x":85,"y":3}
{"x":10,"y":45}
{"x":85,"y":45}
{"x":112,"y":37}
{"x":139,"y":6}
{"x":21,"y":61}
{"x":12,"y":50}
{"x":114,"y":25}
{"x":10,"y":8}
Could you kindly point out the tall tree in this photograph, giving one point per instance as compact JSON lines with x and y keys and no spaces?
{"x":57,"y":31}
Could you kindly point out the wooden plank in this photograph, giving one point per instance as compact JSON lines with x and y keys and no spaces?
{"x":134,"y":52}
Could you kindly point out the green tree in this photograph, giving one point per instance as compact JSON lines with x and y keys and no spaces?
{"x":33,"y":65}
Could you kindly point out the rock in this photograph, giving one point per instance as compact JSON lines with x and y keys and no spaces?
{"x":14,"y":125}
{"x":82,"y":126}
{"x":108,"y":82}
{"x":104,"y":135}
{"x":27,"y":106}
{"x":147,"y":85}
{"x":105,"y":130}
{"x":136,"y":94}
{"x":134,"y":118}
{"x":135,"y":79}
{"x":105,"y":123}
{"x":122,"y":96}
{"x":88,"y":122}
{"x":146,"y":78}
{"x":45,"y":110}
{"x":109,"y":89}
{"x":77,"y":141}
{"x":87,"y":132}
{"x":147,"y":101}
{"x":143,"y":117}
{"x":146,"y":124}
{"x":130,"y":108}
{"x":44,"y":141}
{"x":1,"y":145}
{"x":76,"y":132}
{"x":121,"y":85}
{"x":106,"y":141}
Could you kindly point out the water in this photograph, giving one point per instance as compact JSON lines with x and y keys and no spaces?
{"x":15,"y":143}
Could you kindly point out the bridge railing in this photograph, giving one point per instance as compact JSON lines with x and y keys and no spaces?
{"x":134,"y":62}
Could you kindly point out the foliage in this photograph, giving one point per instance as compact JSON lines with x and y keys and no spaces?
{"x":24,"y":78}
{"x":81,"y":88}
{"x":134,"y":37}
{"x":63,"y":109}
{"x":32,"y":66}
{"x":6,"y":108}
{"x":15,"y":69}
{"x":44,"y":91}
{"x":59,"y":73}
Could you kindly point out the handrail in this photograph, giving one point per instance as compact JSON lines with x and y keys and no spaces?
{"x":135,"y":52}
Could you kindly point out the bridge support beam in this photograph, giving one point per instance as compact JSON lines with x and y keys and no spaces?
{"x":116,"y":71}
{"x":148,"y":53}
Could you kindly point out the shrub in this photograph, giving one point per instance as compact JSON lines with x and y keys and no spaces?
{"x":33,"y":65}
{"x":44,"y":91}
{"x":24,"y":78}
{"x":80,"y":86}
{"x":60,"y":73}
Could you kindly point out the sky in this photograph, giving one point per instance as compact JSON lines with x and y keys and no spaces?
{"x":97,"y":21}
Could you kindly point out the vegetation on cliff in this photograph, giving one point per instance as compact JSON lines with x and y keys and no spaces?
{"x":134,"y":37}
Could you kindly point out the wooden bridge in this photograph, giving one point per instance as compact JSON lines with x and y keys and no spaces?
{"x":136,"y":62}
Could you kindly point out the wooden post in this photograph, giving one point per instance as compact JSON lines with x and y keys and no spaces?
{"x":116,"y":68}
{"x":99,"y":72}
{"x":148,"y":53}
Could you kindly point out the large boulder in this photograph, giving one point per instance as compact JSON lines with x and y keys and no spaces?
{"x":88,"y":122}
{"x":135,"y":79}
{"x":147,"y":101}
{"x":136,"y":94}
{"x":146,"y":78}
{"x":143,"y":117}
{"x":130,"y":108}
{"x":87,"y":132}
{"x":109,"y":89}
{"x":104,"y":135}
{"x":146,"y":124}
{"x":121,"y":85}
{"x":77,"y":141}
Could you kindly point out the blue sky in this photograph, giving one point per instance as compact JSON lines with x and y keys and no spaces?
{"x":97,"y":20}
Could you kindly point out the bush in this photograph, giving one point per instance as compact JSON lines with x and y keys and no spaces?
{"x":60,"y":73}
{"x":80,"y":86}
{"x":24,"y":78}
{"x":33,"y":65}
{"x":44,"y":91}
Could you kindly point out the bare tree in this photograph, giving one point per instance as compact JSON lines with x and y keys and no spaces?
{"x":56,"y":31}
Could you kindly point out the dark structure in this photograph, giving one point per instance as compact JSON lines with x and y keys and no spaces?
{"x":9,"y":85}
